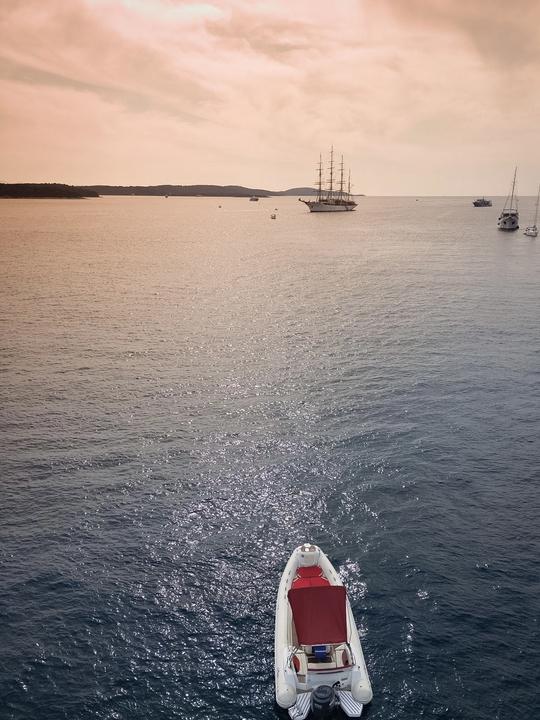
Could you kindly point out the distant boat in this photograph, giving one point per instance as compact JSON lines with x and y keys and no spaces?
{"x":509,"y":217}
{"x":482,"y":202}
{"x":254,"y":198}
{"x":532,"y":230}
{"x":273,"y":216}
{"x":332,"y":199}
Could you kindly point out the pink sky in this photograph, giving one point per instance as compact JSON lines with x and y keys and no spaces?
{"x":426,"y":97}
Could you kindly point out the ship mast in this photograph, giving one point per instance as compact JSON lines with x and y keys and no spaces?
{"x":513,"y":189}
{"x":340,"y":197}
{"x":331,"y":188}
{"x":349,"y":187}
{"x":319,"y":186}
{"x":536,"y":211}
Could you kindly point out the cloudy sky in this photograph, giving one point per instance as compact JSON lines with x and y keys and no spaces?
{"x":426,"y":97}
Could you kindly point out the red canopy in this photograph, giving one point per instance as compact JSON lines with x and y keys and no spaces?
{"x":319,"y":614}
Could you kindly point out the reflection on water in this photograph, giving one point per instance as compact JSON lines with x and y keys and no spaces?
{"x":190,"y":391}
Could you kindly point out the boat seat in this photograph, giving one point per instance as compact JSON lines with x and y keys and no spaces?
{"x":324,"y":657}
{"x":309,"y":571}
{"x":299,"y":661}
{"x":309,"y":582}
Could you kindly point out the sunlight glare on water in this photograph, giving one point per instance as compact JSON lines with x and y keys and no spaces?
{"x":190,"y":391}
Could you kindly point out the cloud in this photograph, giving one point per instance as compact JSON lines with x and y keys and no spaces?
{"x":505,"y":34}
{"x":250,"y":92}
{"x":275,"y":38}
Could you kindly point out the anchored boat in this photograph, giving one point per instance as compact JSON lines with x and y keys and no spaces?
{"x":482,"y":202}
{"x":319,"y":664}
{"x":509,"y":217}
{"x":332,"y":199}
{"x":532,"y":230}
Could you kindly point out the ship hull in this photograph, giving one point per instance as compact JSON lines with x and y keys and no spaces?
{"x":509,"y":217}
{"x":509,"y":222}
{"x":315,"y":206}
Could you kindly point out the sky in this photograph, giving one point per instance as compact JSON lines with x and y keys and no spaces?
{"x":422,"y":97}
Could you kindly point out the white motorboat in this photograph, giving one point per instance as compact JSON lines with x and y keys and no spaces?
{"x":509,"y":217}
{"x":532,"y":230}
{"x":319,"y":664}
{"x":332,"y":199}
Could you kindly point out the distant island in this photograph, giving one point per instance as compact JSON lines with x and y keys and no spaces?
{"x":58,"y":190}
{"x":44,"y":190}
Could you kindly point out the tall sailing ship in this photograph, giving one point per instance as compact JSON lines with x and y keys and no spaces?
{"x":509,"y":217}
{"x":333,"y":198}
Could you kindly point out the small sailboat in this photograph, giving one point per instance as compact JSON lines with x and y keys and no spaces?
{"x":509,"y":217}
{"x":319,"y":664}
{"x":532,"y":230}
{"x":332,"y":199}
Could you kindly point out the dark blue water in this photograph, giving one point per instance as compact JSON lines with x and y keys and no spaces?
{"x":188,"y":392}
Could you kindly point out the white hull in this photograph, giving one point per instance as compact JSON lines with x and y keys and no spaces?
{"x":508,"y":221}
{"x":509,"y":217}
{"x":532,"y":230}
{"x":296,"y":673}
{"x":315,"y":206}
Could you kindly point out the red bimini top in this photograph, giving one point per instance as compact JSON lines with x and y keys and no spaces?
{"x":319,"y":614}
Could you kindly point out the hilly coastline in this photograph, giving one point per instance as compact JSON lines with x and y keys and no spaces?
{"x":44,"y":190}
{"x":58,"y":190}
{"x":196,"y":190}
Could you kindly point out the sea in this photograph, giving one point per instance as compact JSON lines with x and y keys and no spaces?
{"x":189,"y":389}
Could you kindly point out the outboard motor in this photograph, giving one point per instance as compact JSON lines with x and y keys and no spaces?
{"x":323,"y":701}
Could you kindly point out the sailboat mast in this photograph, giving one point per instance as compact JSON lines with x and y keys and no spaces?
{"x":536,"y":211}
{"x":349,"y":187}
{"x":513,"y":189}
{"x":341,"y":180}
{"x":331,"y":188}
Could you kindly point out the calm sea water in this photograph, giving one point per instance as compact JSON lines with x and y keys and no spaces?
{"x":189,"y":391}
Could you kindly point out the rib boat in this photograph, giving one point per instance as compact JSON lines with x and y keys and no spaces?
{"x":319,"y":664}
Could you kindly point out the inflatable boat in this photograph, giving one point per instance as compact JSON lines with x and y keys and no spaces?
{"x":319,"y":664}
